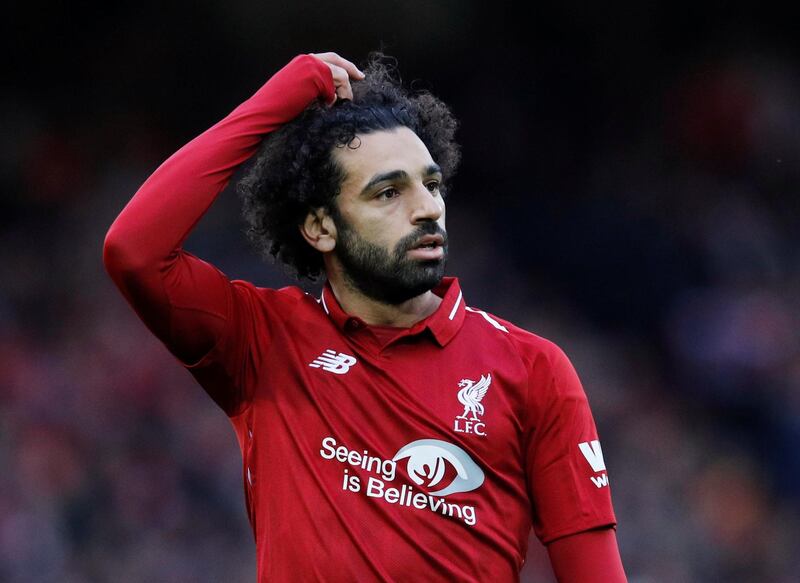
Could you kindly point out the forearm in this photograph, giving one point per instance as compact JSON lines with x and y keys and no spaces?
{"x":154,"y":224}
{"x":183,"y":300}
{"x":587,"y":557}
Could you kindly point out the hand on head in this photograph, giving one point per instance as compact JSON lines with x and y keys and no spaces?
{"x":342,"y":71}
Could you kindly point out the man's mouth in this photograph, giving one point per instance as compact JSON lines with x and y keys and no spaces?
{"x":428,"y":247}
{"x":429,"y":242}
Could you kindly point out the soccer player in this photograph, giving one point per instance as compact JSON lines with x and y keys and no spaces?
{"x":388,"y":430}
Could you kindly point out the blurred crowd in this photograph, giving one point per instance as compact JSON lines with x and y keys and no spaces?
{"x":638,"y":210}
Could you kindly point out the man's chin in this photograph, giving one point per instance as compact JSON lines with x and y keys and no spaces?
{"x":433,"y":277}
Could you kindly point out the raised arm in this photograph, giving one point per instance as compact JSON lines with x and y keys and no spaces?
{"x":183,"y":300}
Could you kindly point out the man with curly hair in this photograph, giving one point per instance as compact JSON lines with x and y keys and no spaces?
{"x":388,"y":430}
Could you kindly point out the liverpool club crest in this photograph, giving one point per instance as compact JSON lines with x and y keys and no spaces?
{"x":470,"y":395}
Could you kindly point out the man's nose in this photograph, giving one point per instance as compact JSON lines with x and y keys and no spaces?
{"x":427,"y":205}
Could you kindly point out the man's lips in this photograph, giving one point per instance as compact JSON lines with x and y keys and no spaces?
{"x":427,"y":253}
{"x":429,"y":242}
{"x":428,"y":248}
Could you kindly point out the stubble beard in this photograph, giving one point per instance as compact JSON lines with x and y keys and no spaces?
{"x":389,"y":278}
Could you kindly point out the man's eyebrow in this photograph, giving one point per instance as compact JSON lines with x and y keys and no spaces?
{"x":433,"y":169}
{"x":391,"y":175}
{"x":398,"y":175}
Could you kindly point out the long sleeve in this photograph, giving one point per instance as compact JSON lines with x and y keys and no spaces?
{"x":587,"y":557}
{"x":183,"y":300}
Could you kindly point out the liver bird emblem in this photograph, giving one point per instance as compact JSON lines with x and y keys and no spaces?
{"x":471,"y":395}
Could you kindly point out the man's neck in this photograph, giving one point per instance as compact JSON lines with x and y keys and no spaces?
{"x":375,"y":313}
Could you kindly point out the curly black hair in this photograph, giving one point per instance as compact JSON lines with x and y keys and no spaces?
{"x":295,"y":171}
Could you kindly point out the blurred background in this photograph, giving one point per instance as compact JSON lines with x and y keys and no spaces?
{"x":629,"y":190}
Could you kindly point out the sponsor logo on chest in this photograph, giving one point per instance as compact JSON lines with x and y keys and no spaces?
{"x":470,"y":395}
{"x":437,"y":468}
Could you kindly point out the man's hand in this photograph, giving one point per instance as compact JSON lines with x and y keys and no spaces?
{"x":342,"y":71}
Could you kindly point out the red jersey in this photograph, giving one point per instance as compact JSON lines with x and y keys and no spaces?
{"x":418,"y":454}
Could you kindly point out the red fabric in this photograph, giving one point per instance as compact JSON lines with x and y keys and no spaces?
{"x":181,"y":298}
{"x":361,"y":461}
{"x":587,"y":557}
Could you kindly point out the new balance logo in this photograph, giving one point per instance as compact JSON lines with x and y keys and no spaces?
{"x":335,"y":362}
{"x":594,"y":455}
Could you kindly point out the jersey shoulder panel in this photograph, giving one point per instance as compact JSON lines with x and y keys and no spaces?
{"x":529,"y":346}
{"x":281,"y":302}
{"x":551,"y":374}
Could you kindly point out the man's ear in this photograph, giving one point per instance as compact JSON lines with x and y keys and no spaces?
{"x":319,"y":230}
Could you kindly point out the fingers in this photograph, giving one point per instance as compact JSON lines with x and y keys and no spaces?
{"x":342,"y":72}
{"x":334,"y":59}
{"x":341,"y":82}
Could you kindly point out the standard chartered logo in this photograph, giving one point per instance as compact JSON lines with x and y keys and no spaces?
{"x":441,"y":468}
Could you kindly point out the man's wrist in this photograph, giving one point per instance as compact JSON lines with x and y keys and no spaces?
{"x":305,"y":77}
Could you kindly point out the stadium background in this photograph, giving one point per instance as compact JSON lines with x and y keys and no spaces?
{"x":628,"y":190}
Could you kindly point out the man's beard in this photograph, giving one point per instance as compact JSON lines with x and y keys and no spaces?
{"x":384,"y":277}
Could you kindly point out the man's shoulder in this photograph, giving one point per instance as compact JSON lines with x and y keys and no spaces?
{"x":547,"y":364}
{"x":280,"y":300}
{"x":290,"y":292}
{"x":528,"y":344}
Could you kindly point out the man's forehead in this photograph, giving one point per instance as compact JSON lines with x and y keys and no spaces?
{"x":383,"y":151}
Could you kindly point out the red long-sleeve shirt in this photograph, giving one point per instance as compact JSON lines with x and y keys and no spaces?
{"x":365,"y":456}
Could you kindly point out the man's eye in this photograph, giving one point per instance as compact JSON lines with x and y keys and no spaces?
{"x":433,"y":185}
{"x":388,"y":193}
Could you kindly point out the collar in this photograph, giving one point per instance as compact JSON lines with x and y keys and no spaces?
{"x":443,"y":324}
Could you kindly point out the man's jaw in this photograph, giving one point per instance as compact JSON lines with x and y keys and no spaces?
{"x":415,"y":266}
